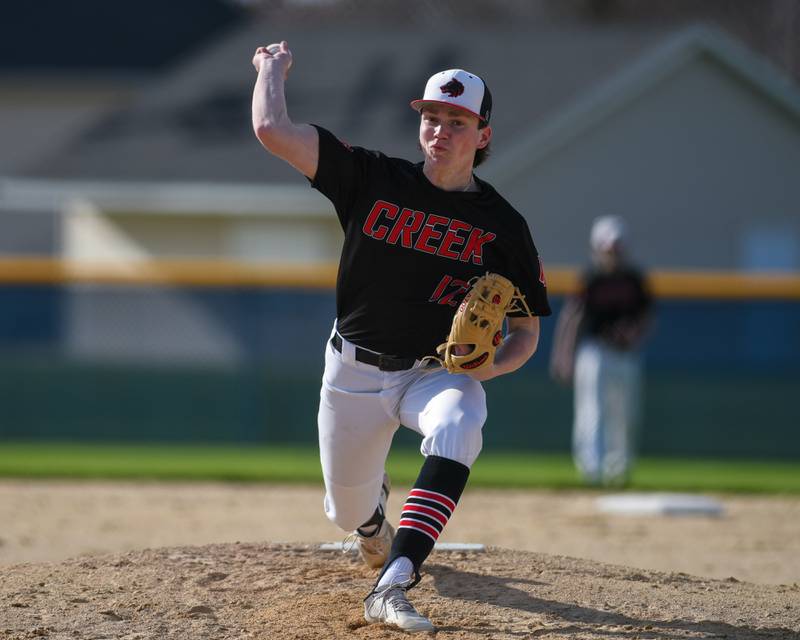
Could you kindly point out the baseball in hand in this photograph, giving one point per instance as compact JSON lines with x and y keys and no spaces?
{"x":274,"y":49}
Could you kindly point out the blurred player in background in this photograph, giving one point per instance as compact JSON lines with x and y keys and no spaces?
{"x":596,"y":346}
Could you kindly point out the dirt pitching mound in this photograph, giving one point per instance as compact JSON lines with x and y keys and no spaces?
{"x":283,"y":591}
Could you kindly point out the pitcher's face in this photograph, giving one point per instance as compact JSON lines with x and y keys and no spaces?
{"x":450,"y":136}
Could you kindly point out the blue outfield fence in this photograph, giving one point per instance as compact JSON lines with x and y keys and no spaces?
{"x":165,"y":362}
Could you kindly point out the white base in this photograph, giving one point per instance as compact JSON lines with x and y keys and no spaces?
{"x":439,"y":546}
{"x":661,"y":504}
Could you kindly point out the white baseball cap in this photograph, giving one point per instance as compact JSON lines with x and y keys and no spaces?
{"x":460,"y":89}
{"x":606,"y":232}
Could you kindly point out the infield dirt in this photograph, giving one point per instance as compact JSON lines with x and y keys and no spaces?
{"x":237,"y":591}
{"x":252,"y":589}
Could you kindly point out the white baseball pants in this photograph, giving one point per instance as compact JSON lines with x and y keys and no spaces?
{"x":360,"y":409}
{"x":607,"y":388}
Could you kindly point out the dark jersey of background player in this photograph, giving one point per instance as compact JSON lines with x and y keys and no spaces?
{"x":616,"y":303}
{"x":410,"y":248}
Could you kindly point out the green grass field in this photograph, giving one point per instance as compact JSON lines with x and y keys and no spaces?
{"x":301,"y":465}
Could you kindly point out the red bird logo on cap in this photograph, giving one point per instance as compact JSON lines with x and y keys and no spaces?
{"x":453,"y":88}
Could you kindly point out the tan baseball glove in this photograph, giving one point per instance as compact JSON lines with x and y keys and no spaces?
{"x":477,"y":328}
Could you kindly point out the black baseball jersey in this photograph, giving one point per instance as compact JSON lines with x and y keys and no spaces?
{"x":611,"y":298}
{"x":411,"y":248}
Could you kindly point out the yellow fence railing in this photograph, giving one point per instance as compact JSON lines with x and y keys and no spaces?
{"x":216,"y":273}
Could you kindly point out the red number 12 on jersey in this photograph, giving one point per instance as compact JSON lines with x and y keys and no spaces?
{"x":448,"y":291}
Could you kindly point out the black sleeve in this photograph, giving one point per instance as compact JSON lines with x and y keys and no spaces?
{"x":528,"y":274}
{"x":341,"y":171}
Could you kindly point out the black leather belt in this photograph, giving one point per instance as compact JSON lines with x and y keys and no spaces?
{"x":384,"y":363}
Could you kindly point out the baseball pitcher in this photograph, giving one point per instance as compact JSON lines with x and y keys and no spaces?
{"x":435,"y":264}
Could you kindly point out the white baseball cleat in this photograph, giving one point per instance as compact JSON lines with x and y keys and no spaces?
{"x":374,"y":548}
{"x":390,"y":605}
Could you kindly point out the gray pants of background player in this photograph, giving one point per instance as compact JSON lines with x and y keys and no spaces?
{"x":607,"y":407}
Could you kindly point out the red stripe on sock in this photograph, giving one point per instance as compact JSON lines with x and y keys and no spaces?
{"x":405,"y":523}
{"x":420,"y":532}
{"x":435,"y":497}
{"x":433,"y":513}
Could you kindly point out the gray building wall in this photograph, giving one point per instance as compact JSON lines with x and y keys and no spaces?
{"x":686,"y":139}
{"x":30,"y":233}
{"x":704,"y":167}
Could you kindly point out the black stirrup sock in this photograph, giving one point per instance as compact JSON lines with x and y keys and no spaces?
{"x":427,"y":509}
